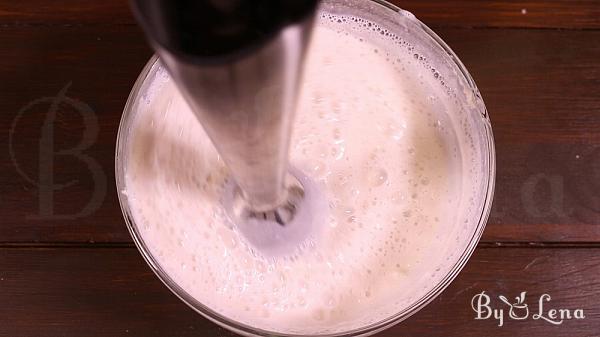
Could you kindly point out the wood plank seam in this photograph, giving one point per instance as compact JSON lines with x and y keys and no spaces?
{"x":131,"y":245}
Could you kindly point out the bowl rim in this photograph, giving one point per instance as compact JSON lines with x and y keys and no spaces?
{"x":367,"y":330}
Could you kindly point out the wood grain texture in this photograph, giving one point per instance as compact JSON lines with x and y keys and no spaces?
{"x":531,"y":14}
{"x":540,"y":87}
{"x":96,"y":68}
{"x":111,"y":292}
{"x":65,"y":12}
{"x":581,"y":14}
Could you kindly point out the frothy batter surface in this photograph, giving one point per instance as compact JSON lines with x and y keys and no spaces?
{"x":373,"y":131}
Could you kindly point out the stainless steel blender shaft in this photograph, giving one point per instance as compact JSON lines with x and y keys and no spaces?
{"x":245,"y":102}
{"x":247,"y":109}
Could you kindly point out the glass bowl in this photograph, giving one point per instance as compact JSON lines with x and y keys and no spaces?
{"x":428,"y":46}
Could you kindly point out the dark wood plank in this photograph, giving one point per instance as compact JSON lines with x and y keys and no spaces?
{"x":540,"y":86}
{"x":65,"y":12}
{"x":582,"y":14}
{"x":545,"y":113}
{"x":111,"y":292}
{"x":546,"y":192}
{"x":96,"y":67}
{"x":531,"y":14}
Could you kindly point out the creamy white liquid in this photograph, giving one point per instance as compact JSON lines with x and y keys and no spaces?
{"x":375,"y":131}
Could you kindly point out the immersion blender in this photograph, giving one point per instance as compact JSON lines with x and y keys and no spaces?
{"x":238,"y":64}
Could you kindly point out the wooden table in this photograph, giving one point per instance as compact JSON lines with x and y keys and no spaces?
{"x":68,"y":266}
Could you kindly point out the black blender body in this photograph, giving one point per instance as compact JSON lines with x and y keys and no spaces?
{"x":216,"y":31}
